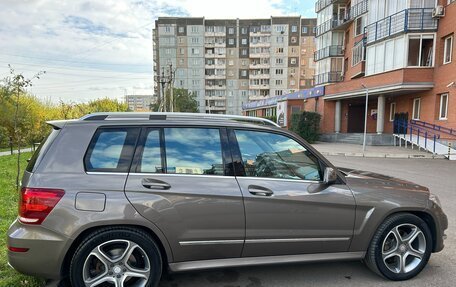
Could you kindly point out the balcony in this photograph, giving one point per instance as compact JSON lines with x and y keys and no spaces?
{"x":215,"y":77}
{"x":328,"y":78}
{"x":333,"y":23}
{"x":260,"y":44}
{"x":357,"y":10}
{"x":260,"y":55}
{"x":260,"y":66}
{"x":260,"y":76}
{"x":215,"y":87}
{"x":322,"y":4}
{"x":330,"y":51}
{"x":405,"y":21}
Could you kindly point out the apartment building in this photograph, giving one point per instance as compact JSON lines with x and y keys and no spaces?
{"x":399,"y":53}
{"x":140,"y":103}
{"x":230,"y":62}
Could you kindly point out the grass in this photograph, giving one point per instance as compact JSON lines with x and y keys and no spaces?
{"x":8,"y":212}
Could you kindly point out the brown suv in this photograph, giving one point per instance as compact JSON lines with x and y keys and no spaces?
{"x":112,"y":199}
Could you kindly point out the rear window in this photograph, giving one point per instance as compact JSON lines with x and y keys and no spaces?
{"x":111,"y":150}
{"x":41,"y":150}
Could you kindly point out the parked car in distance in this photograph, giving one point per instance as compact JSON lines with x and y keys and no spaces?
{"x":113,"y":199}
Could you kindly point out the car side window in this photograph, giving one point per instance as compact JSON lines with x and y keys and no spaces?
{"x":272,"y":155}
{"x":151,"y":159}
{"x":111,"y":150}
{"x":193,"y":151}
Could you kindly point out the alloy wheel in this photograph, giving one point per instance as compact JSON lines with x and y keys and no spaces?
{"x":403,"y":248}
{"x":118,"y":263}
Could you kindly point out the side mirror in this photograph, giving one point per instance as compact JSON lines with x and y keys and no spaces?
{"x":330,"y":175}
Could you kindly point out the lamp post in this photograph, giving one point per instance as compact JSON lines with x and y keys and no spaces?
{"x":365,"y":117}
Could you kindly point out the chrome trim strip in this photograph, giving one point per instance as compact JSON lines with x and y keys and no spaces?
{"x":280,"y":179}
{"x":106,"y":173}
{"x":179,"y":174}
{"x":210,"y":242}
{"x":291,"y":240}
{"x":249,"y":261}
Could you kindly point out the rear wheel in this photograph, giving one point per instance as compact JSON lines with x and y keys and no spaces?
{"x":401,"y":247}
{"x":119,"y":257}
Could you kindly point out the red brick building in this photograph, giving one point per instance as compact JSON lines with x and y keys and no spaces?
{"x":400,"y":52}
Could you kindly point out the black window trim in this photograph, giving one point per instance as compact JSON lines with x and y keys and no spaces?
{"x":126,"y":155}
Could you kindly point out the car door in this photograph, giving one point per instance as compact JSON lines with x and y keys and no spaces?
{"x":289,"y":210}
{"x":181,"y":182}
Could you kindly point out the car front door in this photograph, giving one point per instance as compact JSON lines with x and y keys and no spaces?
{"x":181,"y":183}
{"x":289,"y":210}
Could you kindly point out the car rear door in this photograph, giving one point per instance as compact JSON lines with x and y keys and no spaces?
{"x":289,"y":210}
{"x":181,"y":181}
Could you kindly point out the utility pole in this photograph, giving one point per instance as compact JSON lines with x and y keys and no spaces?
{"x":166,"y":80}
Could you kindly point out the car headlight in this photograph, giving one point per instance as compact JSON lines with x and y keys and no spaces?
{"x":434,"y":198}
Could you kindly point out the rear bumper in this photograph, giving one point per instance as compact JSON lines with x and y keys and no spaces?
{"x":45,"y":254}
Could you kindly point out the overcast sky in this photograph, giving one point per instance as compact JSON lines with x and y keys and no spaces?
{"x":103,"y":48}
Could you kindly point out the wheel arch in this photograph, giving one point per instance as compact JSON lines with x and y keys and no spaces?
{"x":164,"y":252}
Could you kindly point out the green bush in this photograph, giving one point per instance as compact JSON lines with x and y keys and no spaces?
{"x":307,"y":125}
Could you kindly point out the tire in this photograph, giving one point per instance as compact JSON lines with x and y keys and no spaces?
{"x":126,"y":255}
{"x":401,"y":236}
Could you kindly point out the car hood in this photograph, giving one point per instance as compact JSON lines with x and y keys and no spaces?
{"x":365,"y":180}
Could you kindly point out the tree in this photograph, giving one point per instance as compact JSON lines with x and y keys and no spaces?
{"x":184,"y":101}
{"x":13,"y":87}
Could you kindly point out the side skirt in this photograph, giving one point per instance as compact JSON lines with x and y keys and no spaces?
{"x":266,"y":260}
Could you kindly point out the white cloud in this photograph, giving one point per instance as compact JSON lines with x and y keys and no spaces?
{"x":92,"y":49}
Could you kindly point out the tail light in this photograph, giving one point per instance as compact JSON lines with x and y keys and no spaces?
{"x":35,"y":204}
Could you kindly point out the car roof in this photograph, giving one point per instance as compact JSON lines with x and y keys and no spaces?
{"x":185,"y":119}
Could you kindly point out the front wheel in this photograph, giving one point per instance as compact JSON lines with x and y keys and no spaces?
{"x":401,"y":247}
{"x":118,"y":257}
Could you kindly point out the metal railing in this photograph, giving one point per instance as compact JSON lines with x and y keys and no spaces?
{"x":357,"y":10}
{"x":434,"y":127}
{"x":407,"y":130}
{"x":415,"y":19}
{"x":330,"y":77}
{"x":330,"y":51}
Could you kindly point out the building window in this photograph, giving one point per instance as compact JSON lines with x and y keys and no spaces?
{"x":279,"y":51}
{"x":279,"y":61}
{"x":304,"y":30}
{"x":279,"y":39}
{"x":357,"y":53}
{"x":243,"y":30}
{"x":416,"y":108}
{"x":294,"y":39}
{"x":194,"y":29}
{"x":195,"y":51}
{"x":181,"y":29}
{"x":314,"y":30}
{"x":278,"y":92}
{"x":231,"y":31}
{"x":293,"y":61}
{"x":231,"y":41}
{"x":278,"y":82}
{"x":421,"y":51}
{"x":392,"y":111}
{"x":443,"y":107}
{"x":167,"y":29}
{"x":244,"y":41}
{"x":279,"y":71}
{"x":294,"y":29}
{"x":448,"y":51}
{"x":359,"y":26}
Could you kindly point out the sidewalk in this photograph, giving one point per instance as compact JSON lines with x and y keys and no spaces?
{"x":354,"y":150}
{"x":3,"y":153}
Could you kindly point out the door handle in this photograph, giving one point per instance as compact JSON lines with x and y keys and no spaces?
{"x":151,"y":183}
{"x":260,"y":191}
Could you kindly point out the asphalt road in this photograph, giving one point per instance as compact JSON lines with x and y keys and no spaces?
{"x":439,"y":175}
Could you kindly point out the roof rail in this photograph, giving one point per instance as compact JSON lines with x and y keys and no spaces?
{"x":163,"y":116}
